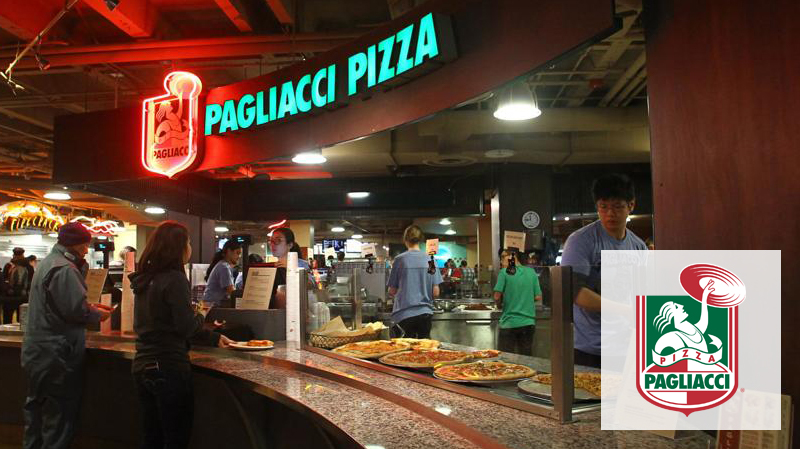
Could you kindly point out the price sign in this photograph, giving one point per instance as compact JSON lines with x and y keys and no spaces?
{"x":432,"y":246}
{"x":368,"y":249}
{"x":514,"y":239}
{"x":330,"y":252}
{"x":258,"y":288}
{"x":95,"y":280}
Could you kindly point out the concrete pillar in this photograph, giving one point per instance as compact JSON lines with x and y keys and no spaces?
{"x":303,"y":234}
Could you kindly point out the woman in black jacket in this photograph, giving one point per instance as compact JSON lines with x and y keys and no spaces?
{"x":165,"y":322}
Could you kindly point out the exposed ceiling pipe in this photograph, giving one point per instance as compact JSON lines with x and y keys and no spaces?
{"x":224,"y":47}
{"x":629,"y":74}
{"x":640,"y":78}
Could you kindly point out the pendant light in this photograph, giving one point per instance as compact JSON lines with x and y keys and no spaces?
{"x":517,"y":102}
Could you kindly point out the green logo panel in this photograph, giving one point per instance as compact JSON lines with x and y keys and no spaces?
{"x":717,"y":323}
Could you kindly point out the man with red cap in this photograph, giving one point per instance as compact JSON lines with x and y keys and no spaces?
{"x":55,"y":340}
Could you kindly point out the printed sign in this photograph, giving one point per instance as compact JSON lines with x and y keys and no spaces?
{"x":169,"y":122}
{"x":258,"y":288}
{"x":687,"y":346}
{"x":514,"y":239}
{"x":330,"y":252}
{"x":432,"y":246}
{"x":368,"y":249}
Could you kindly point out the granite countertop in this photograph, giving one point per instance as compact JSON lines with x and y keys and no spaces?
{"x":374,"y":408}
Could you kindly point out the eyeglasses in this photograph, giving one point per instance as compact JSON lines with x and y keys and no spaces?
{"x":616,"y":207}
{"x":276,"y":241}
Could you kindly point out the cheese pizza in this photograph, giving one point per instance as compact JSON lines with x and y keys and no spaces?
{"x":424,"y":358}
{"x":419,"y":343}
{"x":585,"y":381}
{"x":371,"y":349}
{"x":260,"y":343}
{"x":483,"y":371}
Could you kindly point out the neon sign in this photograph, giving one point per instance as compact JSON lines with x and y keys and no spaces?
{"x":169,"y":125}
{"x":19,"y":215}
{"x":99,"y":227}
{"x":389,"y":62}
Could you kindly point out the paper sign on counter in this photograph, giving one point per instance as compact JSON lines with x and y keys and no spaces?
{"x":95,"y":280}
{"x":330,"y":252}
{"x":514,"y":239}
{"x":432,"y":246}
{"x":367,"y":249}
{"x":257,"y":289}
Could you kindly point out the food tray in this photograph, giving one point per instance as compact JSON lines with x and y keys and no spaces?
{"x":329,"y":342}
{"x":481,"y":382}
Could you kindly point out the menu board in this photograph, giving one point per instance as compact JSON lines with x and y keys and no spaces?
{"x":95,"y":279}
{"x":514,"y":239}
{"x":258,"y":288}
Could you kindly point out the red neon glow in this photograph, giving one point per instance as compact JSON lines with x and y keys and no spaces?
{"x":277,"y":225}
{"x":169,"y":137}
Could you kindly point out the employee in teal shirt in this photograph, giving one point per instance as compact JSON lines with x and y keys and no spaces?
{"x":516,"y":294}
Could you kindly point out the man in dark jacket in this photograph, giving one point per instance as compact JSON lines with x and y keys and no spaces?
{"x":18,"y":274}
{"x":55,"y":341}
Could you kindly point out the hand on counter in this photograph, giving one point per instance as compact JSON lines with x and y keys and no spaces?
{"x":224,"y":341}
{"x":104,"y":311}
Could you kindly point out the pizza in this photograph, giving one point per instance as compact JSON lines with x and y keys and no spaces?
{"x":485,"y":354}
{"x":371,"y":349}
{"x":425,"y":358}
{"x":419,"y":343}
{"x":585,"y":381}
{"x":483,"y":371}
{"x":260,"y":343}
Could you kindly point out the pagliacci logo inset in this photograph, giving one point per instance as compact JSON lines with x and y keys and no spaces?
{"x":686,"y":346}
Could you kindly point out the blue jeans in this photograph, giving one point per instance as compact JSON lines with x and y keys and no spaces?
{"x":166,"y":396}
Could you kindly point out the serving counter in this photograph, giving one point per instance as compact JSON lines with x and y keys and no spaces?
{"x":289,"y":397}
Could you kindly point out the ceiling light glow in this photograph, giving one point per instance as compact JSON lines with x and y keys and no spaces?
{"x":357,"y":195}
{"x":309,"y":158}
{"x":63,"y":196}
{"x":221,"y":229}
{"x":155,"y":210}
{"x":337,"y":229}
{"x":357,"y":236}
{"x":450,"y":232}
{"x":445,"y":222}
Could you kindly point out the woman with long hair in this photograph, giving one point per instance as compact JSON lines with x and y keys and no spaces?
{"x":165,"y":322}
{"x":414,"y":287}
{"x":281,"y":243}
{"x":219,"y":276}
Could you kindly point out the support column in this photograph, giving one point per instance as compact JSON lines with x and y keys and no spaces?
{"x":303,"y":235}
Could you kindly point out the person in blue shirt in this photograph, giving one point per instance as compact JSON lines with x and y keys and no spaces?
{"x":219,"y":276}
{"x":614,"y":198}
{"x":413,"y":288}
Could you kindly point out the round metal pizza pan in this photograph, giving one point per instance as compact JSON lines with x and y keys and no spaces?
{"x":481,"y":382}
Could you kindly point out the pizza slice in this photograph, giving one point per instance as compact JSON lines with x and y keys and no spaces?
{"x":371,"y":349}
{"x":425,"y":358}
{"x":485,"y":354}
{"x":585,"y":381}
{"x":419,"y":343}
{"x":484,"y":371}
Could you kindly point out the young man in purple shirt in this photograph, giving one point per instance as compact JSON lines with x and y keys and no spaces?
{"x":614,"y":199}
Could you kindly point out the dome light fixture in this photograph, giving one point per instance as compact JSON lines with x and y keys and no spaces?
{"x":357,"y":195}
{"x":56,"y":195}
{"x":450,"y":232}
{"x":309,"y":158}
{"x":445,"y":222}
{"x":566,"y":218}
{"x":517,"y":102}
{"x":155,"y":210}
{"x":221,"y":229}
{"x":337,"y":229}
{"x":356,"y":236}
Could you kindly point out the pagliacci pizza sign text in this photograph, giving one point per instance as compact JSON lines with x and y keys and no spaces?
{"x":392,"y":60}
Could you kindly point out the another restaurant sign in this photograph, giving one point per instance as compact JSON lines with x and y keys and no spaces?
{"x":19,"y":215}
{"x":170,"y":125}
{"x":392,"y":60}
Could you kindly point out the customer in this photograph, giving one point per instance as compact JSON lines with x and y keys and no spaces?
{"x":614,"y":198}
{"x":165,"y":321}
{"x":55,"y":341}
{"x":413,"y":288}
{"x":219,"y":276}
{"x":18,"y":274}
{"x":516,"y":294}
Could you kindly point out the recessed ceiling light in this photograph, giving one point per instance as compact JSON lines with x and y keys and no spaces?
{"x":155,"y":210}
{"x":309,"y":158}
{"x":450,"y":232}
{"x":358,"y":194}
{"x":337,"y":229}
{"x":54,"y":195}
{"x":445,"y":222}
{"x":357,"y":236}
{"x":221,"y":229}
{"x":566,"y":218}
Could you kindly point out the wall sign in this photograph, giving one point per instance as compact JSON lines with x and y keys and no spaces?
{"x":19,"y":215}
{"x":531,"y":219}
{"x":394,"y":57}
{"x":514,"y":239}
{"x":170,"y":125}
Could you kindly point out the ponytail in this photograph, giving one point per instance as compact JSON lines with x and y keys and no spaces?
{"x":230,"y":245}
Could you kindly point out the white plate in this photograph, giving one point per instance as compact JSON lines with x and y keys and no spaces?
{"x":244,"y":347}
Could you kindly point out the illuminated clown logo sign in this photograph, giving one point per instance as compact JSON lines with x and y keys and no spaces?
{"x":169,"y":125}
{"x":687,"y":346}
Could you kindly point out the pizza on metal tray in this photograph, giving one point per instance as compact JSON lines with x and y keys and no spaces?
{"x":484,"y":371}
{"x":419,"y":343}
{"x":371,"y":349}
{"x":585,"y":381}
{"x":425,"y":358}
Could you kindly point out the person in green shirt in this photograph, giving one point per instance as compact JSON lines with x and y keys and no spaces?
{"x":515,"y":295}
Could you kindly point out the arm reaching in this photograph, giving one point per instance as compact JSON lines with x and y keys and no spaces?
{"x":702,"y":325}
